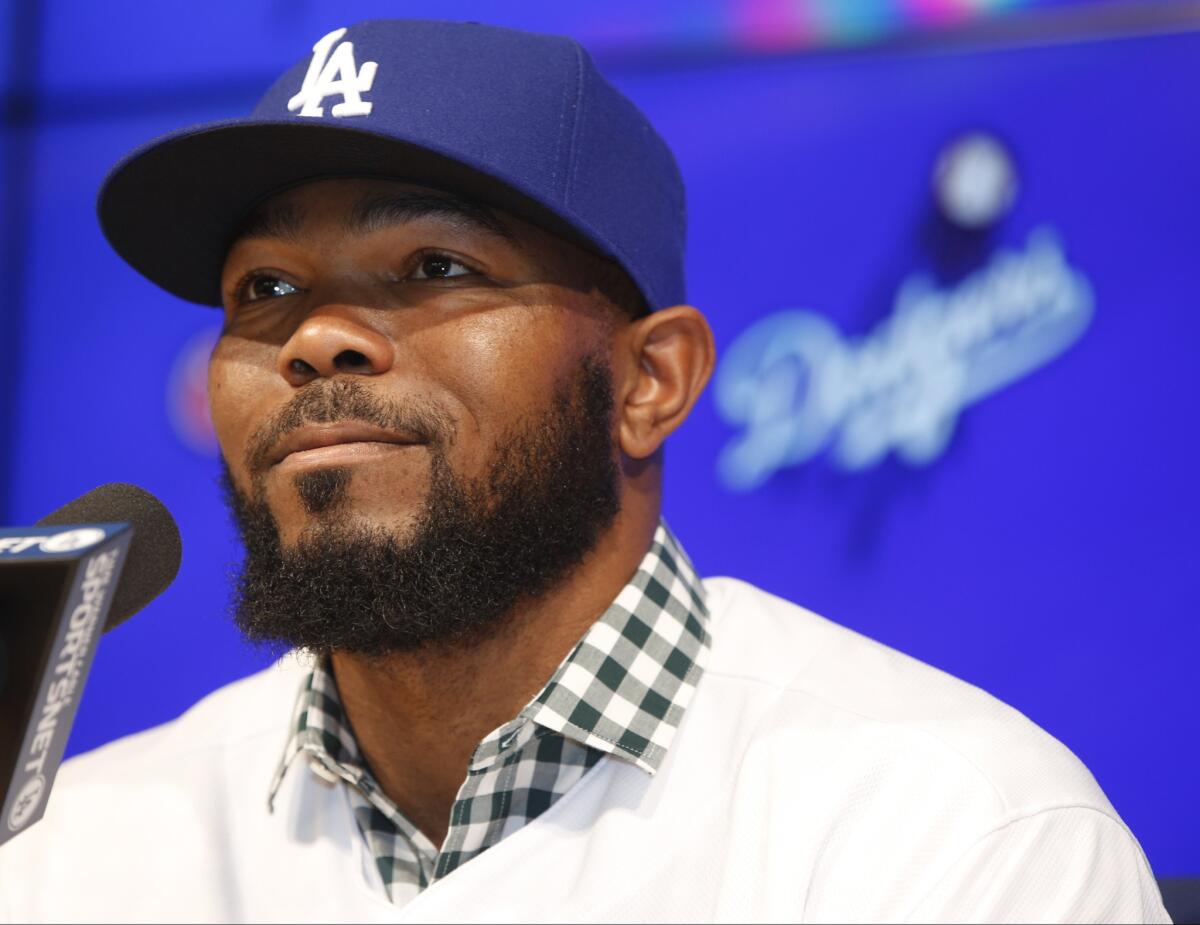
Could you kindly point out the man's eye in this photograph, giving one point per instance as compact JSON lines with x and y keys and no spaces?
{"x":439,"y":266}
{"x":266,"y":287}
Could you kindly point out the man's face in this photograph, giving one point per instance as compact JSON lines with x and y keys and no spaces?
{"x":461,"y":324}
{"x":415,"y":407}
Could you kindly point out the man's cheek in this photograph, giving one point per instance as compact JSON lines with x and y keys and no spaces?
{"x":234,"y":392}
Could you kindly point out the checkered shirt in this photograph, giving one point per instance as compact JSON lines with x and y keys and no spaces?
{"x":619,"y":695}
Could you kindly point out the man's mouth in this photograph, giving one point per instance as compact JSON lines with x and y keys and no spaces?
{"x":317,"y":444}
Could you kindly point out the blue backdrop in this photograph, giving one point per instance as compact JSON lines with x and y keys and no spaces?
{"x":954,"y":293}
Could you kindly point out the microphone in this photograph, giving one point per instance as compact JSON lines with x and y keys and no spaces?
{"x":78,"y":572}
{"x":156,"y":549}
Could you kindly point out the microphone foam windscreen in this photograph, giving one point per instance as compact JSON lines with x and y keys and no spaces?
{"x":154,"y":553}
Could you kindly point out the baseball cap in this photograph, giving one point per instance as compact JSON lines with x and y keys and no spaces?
{"x":520,"y":121}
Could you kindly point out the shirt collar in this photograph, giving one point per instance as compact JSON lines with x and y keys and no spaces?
{"x":622,"y":689}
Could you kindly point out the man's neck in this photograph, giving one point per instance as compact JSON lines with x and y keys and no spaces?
{"x":418,"y":716}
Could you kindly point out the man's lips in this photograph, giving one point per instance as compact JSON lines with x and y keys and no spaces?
{"x":351,"y":435}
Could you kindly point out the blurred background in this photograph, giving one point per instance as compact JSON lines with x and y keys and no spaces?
{"x":950,"y":251}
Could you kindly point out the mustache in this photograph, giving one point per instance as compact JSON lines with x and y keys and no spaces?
{"x":337,"y":400}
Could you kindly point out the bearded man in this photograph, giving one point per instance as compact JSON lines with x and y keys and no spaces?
{"x":455,"y":341}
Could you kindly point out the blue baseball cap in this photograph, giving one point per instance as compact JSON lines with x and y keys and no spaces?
{"x":520,"y":121}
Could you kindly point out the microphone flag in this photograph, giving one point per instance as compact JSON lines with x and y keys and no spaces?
{"x":56,"y":587}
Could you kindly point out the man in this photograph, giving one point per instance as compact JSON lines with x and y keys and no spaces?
{"x":449,"y":258}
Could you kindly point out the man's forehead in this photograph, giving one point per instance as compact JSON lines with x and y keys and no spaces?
{"x":363,"y":206}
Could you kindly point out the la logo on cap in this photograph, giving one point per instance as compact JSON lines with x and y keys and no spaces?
{"x":334,"y":74}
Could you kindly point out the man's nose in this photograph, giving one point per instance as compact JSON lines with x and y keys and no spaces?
{"x":334,"y":340}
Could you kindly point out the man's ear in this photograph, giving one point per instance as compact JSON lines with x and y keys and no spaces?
{"x":669,"y":356}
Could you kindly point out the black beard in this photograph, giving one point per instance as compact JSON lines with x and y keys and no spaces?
{"x":477,"y":549}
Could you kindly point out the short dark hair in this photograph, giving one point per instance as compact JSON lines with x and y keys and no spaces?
{"x":611,"y":281}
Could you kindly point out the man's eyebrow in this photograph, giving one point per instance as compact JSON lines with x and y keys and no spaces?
{"x":380,"y":210}
{"x":283,"y":221}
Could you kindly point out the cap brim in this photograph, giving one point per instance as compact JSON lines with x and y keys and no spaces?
{"x":171,"y":208}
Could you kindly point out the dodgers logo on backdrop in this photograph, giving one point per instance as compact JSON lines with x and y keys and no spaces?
{"x":798,"y":387}
{"x":187,"y":394}
{"x":334,"y":73}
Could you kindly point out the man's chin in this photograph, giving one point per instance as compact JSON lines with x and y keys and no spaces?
{"x":372,"y":519}
{"x":333,"y":501}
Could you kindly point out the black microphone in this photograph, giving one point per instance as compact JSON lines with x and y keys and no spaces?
{"x":78,"y":572}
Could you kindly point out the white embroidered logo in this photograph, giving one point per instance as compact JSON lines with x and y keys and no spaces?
{"x":330,"y":74}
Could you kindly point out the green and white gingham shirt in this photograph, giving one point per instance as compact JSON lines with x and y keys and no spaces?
{"x":619,"y":695}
